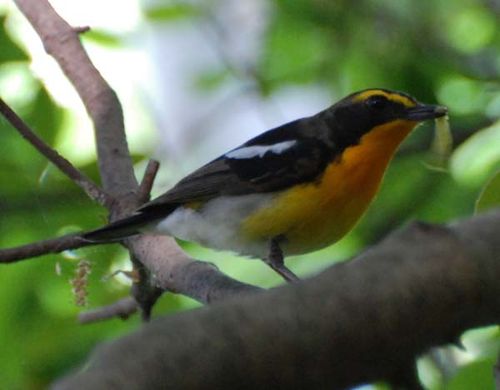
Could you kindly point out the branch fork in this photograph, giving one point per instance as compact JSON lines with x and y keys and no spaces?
{"x":165,"y":266}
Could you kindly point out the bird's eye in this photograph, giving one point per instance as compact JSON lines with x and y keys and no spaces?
{"x":377,"y":102}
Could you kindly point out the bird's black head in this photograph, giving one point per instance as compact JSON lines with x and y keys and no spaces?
{"x":361,"y":112}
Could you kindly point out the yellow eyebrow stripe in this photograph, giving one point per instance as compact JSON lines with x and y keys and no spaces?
{"x":394,"y":97}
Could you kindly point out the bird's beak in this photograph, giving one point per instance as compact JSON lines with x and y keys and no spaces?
{"x":422,"y":112}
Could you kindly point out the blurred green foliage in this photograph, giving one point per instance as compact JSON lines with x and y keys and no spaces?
{"x":489,"y":197}
{"x":172,"y":11}
{"x":437,"y":50}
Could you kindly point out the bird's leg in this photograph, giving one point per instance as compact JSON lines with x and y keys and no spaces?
{"x":275,"y":261}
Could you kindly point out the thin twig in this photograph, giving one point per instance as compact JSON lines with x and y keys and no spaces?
{"x":148,"y":179}
{"x":77,"y":176}
{"x":54,"y":245}
{"x":81,"y":29}
{"x":123,"y":309}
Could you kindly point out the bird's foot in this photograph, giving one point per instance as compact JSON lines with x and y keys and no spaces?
{"x":275,"y":260}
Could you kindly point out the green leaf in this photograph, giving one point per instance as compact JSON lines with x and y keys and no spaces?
{"x":479,"y":156}
{"x":295,"y":52}
{"x":103,"y":38}
{"x":9,"y":50}
{"x":171,"y":12}
{"x":476,"y":375}
{"x":490,"y":194}
{"x":460,"y":23}
{"x":462,"y":95}
{"x":45,"y":116}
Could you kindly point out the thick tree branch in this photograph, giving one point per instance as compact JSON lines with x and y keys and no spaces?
{"x":84,"y":182}
{"x":356,"y":322}
{"x":173,"y":270}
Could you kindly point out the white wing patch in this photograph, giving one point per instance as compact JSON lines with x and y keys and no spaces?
{"x":259,"y":150}
{"x":217,"y":224}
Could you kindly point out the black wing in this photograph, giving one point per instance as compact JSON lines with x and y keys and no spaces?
{"x":273,"y":169}
{"x":275,"y":160}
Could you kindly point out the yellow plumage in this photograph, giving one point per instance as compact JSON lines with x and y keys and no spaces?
{"x":293,"y":189}
{"x":315,"y":215}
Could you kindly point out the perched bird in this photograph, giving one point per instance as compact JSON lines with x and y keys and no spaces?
{"x":293,"y":189}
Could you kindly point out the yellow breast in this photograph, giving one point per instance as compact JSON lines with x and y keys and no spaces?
{"x":312,"y":216}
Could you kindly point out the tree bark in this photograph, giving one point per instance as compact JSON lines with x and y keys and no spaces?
{"x":357,"y":322}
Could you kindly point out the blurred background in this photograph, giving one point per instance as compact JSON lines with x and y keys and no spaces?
{"x":199,"y":77}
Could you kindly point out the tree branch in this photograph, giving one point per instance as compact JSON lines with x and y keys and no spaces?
{"x":172,"y":270}
{"x":81,"y":29}
{"x":40,"y":248}
{"x":357,"y":322}
{"x":62,"y":42}
{"x":147,"y":182}
{"x":123,"y":309}
{"x":170,"y":267}
{"x":80,"y":179}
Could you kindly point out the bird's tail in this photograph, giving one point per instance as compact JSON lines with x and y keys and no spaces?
{"x":119,"y":229}
{"x":129,"y":226}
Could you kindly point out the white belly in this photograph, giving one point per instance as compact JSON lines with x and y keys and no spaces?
{"x":217,"y":224}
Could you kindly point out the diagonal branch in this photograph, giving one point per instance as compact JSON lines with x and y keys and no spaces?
{"x":84,"y":182}
{"x":63,"y":43}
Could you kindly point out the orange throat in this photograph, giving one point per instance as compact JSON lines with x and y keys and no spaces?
{"x":312,"y":216}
